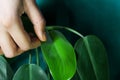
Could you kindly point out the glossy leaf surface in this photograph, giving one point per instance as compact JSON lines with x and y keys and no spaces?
{"x":59,"y":55}
{"x":5,"y":70}
{"x":30,"y":72}
{"x":92,"y":59}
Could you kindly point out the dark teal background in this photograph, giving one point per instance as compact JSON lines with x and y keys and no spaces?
{"x":98,"y":17}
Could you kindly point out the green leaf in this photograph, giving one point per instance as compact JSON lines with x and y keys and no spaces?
{"x":5,"y":70}
{"x":92,"y":59}
{"x":30,"y":72}
{"x":60,"y":56}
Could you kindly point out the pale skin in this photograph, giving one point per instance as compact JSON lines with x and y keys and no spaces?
{"x":14,"y":40}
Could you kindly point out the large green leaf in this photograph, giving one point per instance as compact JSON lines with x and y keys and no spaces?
{"x":60,"y":56}
{"x":5,"y":70}
{"x":92,"y":59}
{"x":30,"y":72}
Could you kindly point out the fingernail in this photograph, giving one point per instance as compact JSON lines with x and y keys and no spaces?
{"x":44,"y":36}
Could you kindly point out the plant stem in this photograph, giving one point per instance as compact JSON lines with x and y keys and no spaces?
{"x":74,"y":31}
{"x":30,"y":58}
{"x":66,"y":28}
{"x":37,"y":56}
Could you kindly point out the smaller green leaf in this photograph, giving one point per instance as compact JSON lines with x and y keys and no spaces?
{"x":6,"y":72}
{"x":30,"y":72}
{"x":92,"y":63}
{"x":60,"y":56}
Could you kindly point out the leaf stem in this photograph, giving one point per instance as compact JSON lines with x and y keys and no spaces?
{"x":37,"y":56}
{"x":66,"y":28}
{"x":30,"y":58}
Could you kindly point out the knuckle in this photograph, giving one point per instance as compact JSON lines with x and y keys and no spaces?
{"x":42,"y":21}
{"x":8,"y":21}
{"x":11,"y":54}
{"x":7,"y":26}
{"x":39,"y":22}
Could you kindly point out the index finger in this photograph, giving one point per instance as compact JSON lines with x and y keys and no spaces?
{"x":37,"y":19}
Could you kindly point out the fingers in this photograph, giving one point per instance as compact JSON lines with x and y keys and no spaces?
{"x":7,"y":45}
{"x":37,"y":19}
{"x":23,"y":40}
{"x":19,"y":35}
{"x":14,"y":39}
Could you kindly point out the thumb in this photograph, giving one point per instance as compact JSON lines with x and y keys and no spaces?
{"x":36,"y":18}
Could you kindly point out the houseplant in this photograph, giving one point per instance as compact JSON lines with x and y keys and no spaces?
{"x":88,"y":58}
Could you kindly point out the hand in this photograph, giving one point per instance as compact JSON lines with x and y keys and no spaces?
{"x":14,"y":40}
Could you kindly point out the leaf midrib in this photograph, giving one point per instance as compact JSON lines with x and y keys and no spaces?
{"x":89,"y":53}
